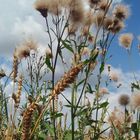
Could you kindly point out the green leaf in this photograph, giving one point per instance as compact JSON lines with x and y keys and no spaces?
{"x":91,"y":59}
{"x":104,"y":104}
{"x":82,"y":112}
{"x":135,"y":130}
{"x":50,"y":129}
{"x":80,"y":82}
{"x":70,"y":106}
{"x":102,"y":67}
{"x":48,"y":63}
{"x":57,"y":115}
{"x":136,"y":86}
{"x":42,"y":136}
{"x":66,"y":45}
{"x":89,"y":89}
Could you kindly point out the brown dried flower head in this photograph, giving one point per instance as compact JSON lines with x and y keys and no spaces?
{"x":125,"y":40}
{"x":2,"y":73}
{"x":23,"y":50}
{"x":93,"y":3}
{"x":113,"y":25}
{"x":89,"y":18}
{"x":124,"y":99}
{"x":48,"y":6}
{"x":113,"y":76}
{"x":42,"y":7}
{"x":72,"y":28}
{"x":49,"y":53}
{"x":85,"y":30}
{"x":103,"y":5}
{"x":65,"y":3}
{"x":77,"y":12}
{"x":121,"y":11}
{"x":117,"y":26}
{"x":99,"y":19}
{"x":85,"y":51}
{"x":103,"y":91}
{"x":108,"y":22}
{"x":117,"y":119}
{"x":54,"y":7}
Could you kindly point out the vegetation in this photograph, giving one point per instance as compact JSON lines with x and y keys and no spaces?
{"x":42,"y":104}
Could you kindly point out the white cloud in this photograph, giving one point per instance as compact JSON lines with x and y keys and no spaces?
{"x":117,"y":1}
{"x":29,"y":27}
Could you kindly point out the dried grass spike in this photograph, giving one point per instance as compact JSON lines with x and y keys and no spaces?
{"x":27,"y":120}
{"x":15,"y":67}
{"x":66,"y":80}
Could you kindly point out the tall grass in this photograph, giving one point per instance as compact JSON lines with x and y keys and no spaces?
{"x":70,"y":105}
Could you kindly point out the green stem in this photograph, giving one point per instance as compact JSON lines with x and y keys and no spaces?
{"x":72,"y":111}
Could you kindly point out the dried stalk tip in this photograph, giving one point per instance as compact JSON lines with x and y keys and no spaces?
{"x":16,"y":96}
{"x":15,"y":67}
{"x":66,"y":80}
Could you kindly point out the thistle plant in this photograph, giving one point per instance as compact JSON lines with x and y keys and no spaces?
{"x":61,"y":91}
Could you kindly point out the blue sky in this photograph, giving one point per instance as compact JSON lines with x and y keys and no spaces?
{"x":120,"y":56}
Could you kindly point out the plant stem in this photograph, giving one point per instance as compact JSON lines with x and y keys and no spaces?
{"x":72,"y":110}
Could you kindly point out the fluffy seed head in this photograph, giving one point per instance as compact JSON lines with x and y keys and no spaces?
{"x":49,"y":53}
{"x":121,"y":11}
{"x":88,"y":20}
{"x":45,"y":6}
{"x":113,"y":25}
{"x":136,"y":100}
{"x":41,"y":6}
{"x":76,"y":12}
{"x":117,"y":27}
{"x":65,"y":3}
{"x":54,"y":7}
{"x":124,"y":99}
{"x":103,"y":5}
{"x":93,"y":2}
{"x":108,"y":22}
{"x":117,"y":119}
{"x":72,"y":28}
{"x":85,"y":51}
{"x":23,"y":50}
{"x":99,"y":18}
{"x":103,"y":91}
{"x":114,"y":76}
{"x":125,"y":40}
{"x":85,"y":30}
